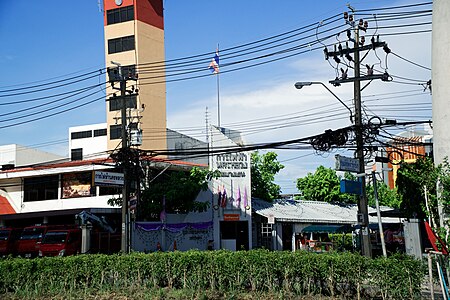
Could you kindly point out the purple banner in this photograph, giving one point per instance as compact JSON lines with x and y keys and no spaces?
{"x":173,"y":227}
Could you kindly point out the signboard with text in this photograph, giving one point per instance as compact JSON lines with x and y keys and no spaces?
{"x":108,"y":178}
{"x":349,"y":164}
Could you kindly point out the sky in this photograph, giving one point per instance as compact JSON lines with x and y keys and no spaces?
{"x":51,"y":40}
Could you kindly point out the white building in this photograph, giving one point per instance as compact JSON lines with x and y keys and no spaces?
{"x":88,"y":141}
{"x":14,"y":155}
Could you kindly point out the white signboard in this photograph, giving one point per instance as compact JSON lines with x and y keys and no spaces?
{"x":108,"y":178}
{"x":347,"y":164}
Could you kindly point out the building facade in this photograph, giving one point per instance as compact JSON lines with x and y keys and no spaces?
{"x":407,"y":147}
{"x":88,"y":141}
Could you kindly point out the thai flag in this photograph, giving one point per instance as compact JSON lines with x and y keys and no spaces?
{"x":214,"y":65}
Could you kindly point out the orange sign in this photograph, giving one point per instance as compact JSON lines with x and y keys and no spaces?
{"x":231,"y":217}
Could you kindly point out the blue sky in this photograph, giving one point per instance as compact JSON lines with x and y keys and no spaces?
{"x":49,"y":39}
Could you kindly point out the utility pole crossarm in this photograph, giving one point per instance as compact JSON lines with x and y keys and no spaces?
{"x":345,"y":51}
{"x":383,"y":77}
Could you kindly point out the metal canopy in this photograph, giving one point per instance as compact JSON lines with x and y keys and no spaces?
{"x":328,"y":228}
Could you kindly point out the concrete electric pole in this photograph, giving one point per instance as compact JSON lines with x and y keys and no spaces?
{"x":358,"y":42}
{"x":125,"y":189}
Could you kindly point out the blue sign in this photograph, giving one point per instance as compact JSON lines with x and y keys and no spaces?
{"x":351,"y":187}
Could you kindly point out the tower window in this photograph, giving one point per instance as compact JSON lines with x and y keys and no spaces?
{"x":115,"y":132}
{"x":120,"y":15}
{"x":121,"y":44}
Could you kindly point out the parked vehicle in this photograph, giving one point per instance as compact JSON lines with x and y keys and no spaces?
{"x":8,"y":240}
{"x":27,"y":245}
{"x":60,"y":242}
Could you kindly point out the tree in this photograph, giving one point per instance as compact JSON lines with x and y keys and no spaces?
{"x":386,"y":196}
{"x":324,"y":185}
{"x":179,"y":189}
{"x":263,"y":170}
{"x":413,"y":179}
{"x":444,"y":179}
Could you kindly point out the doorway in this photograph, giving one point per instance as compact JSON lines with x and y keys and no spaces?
{"x":234,"y":235}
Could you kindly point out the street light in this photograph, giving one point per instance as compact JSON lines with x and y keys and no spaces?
{"x":300,"y":84}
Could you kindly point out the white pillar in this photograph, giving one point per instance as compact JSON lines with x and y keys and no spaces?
{"x":85,"y":238}
{"x":440,"y":79}
{"x":413,"y":244}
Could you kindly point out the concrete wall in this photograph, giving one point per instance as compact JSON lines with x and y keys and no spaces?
{"x":188,"y":238}
{"x":179,"y":141}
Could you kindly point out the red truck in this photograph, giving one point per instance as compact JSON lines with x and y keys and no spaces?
{"x":27,"y":245}
{"x":8,"y":240}
{"x":60,"y":242}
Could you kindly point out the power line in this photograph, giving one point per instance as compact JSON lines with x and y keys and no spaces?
{"x":411,"y":62}
{"x":47,"y":88}
{"x":53,"y":114}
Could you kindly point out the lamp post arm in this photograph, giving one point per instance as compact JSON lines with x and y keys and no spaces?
{"x":351,"y":113}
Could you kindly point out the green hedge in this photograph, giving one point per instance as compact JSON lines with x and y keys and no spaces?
{"x":301,"y":273}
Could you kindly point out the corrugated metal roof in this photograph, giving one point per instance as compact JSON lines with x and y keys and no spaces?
{"x":312,"y":212}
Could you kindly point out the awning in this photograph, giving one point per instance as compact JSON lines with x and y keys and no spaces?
{"x":328,"y":228}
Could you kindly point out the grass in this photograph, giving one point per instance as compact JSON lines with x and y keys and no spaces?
{"x":162,"y":294}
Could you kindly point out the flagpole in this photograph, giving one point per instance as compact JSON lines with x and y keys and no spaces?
{"x":214,"y":66}
{"x":218,"y":94}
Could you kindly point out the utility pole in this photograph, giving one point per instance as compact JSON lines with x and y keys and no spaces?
{"x":363,"y":210}
{"x":358,"y":42}
{"x":125,"y":189}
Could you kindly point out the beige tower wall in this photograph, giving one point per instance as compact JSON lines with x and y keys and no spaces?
{"x":149,"y":48}
{"x":124,"y":58}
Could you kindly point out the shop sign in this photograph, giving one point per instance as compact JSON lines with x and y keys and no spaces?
{"x":108,"y":178}
{"x":231,"y":217}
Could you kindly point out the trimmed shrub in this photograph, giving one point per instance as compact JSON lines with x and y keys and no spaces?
{"x":335,"y":274}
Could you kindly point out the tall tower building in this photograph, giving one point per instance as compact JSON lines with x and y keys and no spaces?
{"x":134,"y":37}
